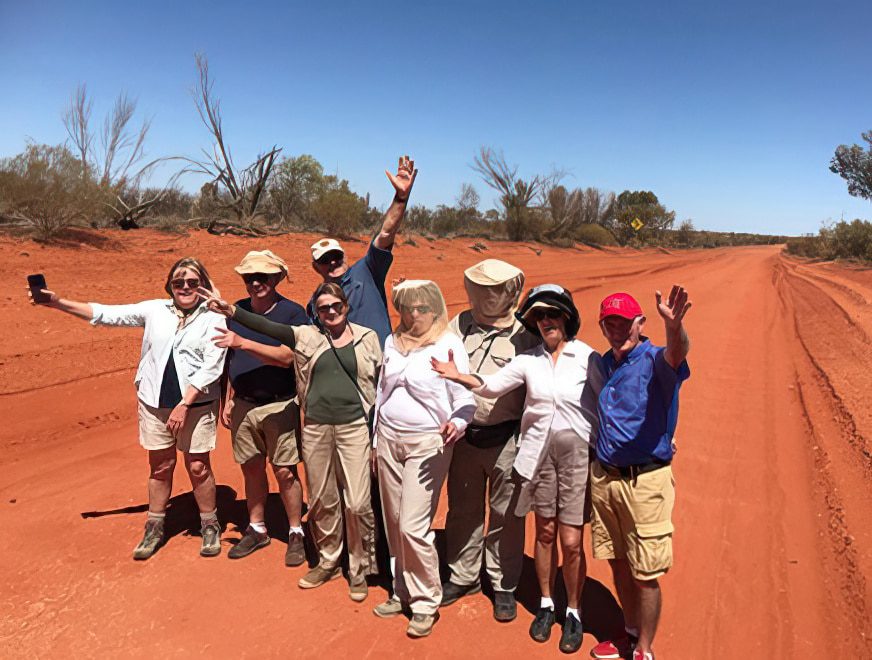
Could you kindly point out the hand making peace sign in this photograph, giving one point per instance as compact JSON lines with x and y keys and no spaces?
{"x":216,"y":304}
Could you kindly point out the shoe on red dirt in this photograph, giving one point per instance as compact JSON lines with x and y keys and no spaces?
{"x":618,"y":649}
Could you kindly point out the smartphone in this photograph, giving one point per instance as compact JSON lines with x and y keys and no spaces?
{"x":37,"y":283}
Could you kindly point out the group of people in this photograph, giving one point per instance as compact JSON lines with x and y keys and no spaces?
{"x":503,"y":402}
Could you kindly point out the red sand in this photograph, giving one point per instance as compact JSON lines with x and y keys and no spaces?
{"x":774,"y":523}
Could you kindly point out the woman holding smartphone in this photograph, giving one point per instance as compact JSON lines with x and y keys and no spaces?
{"x":178,"y":390}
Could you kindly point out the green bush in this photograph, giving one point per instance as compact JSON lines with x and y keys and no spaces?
{"x":594,"y":235}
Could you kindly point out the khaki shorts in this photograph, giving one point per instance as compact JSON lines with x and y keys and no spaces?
{"x":633,"y":520}
{"x":270,"y":430}
{"x":559,"y":486}
{"x":198,"y":433}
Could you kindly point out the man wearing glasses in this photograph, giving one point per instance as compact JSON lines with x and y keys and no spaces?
{"x":364,"y":280}
{"x":259,"y":406}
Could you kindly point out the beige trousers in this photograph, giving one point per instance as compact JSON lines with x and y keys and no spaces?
{"x":468,"y":490}
{"x":411,"y":471}
{"x":338,"y":457}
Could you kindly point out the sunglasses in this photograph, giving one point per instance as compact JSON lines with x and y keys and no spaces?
{"x":333,"y":255}
{"x":420,"y":309}
{"x":332,"y":307}
{"x":182,"y":283}
{"x":550,"y":313}
{"x":248,"y":278}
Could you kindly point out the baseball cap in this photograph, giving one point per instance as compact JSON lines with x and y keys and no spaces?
{"x":325,"y":245}
{"x":620,"y":304}
{"x":261,"y":261}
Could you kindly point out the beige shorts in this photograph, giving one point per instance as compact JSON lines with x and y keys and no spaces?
{"x":559,"y":486}
{"x":632,"y":519}
{"x":198,"y":434}
{"x":271,"y":430}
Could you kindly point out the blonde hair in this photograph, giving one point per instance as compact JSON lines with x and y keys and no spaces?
{"x":425,"y":292}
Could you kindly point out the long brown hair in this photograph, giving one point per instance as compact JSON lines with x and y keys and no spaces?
{"x":193,"y":264}
{"x":329,"y":289}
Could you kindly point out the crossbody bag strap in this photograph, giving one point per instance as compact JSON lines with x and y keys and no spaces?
{"x":349,"y":374}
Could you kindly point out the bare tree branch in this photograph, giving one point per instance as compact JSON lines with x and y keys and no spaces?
{"x":77,"y":118}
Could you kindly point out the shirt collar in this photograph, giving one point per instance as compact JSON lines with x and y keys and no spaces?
{"x":641,"y":349}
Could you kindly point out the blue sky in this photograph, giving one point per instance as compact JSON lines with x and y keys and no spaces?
{"x":729,"y":112}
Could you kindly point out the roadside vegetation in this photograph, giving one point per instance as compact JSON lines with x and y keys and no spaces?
{"x":95,"y":180}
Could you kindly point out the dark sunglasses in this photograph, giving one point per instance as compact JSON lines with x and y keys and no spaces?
{"x":248,"y":278}
{"x":549,"y":313}
{"x":182,"y":283}
{"x":421,"y":309}
{"x":333,"y":255}
{"x":332,"y":307}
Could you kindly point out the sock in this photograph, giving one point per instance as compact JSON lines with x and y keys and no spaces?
{"x":296,"y":530}
{"x":632,"y":632}
{"x":258,"y":527}
{"x":546,"y":602}
{"x":574,"y":612}
{"x":210,"y":518}
{"x":157,"y":516}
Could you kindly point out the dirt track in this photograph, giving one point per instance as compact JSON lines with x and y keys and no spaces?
{"x":774,"y":521}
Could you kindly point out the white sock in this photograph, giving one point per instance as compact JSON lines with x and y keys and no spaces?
{"x":632,"y":632}
{"x":157,"y":516}
{"x":546,"y":602}
{"x":209,"y":518}
{"x":259,"y":527}
{"x":574,"y":612}
{"x":296,"y":530}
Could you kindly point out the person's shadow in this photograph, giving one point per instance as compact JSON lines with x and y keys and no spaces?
{"x":183,"y":517}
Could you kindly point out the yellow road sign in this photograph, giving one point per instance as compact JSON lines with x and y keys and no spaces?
{"x":637,"y":224}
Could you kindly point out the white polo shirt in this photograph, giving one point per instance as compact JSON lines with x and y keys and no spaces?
{"x":199,"y":362}
{"x":559,"y":396}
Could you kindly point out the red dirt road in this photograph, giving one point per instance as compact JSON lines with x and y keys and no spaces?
{"x":774,"y":522}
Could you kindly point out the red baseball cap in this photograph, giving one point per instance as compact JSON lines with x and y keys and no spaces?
{"x":620,"y":304}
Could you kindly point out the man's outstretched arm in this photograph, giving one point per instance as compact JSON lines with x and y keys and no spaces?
{"x":402,"y":182}
{"x":672,"y":311}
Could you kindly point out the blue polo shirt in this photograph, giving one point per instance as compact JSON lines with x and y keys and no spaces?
{"x":364,"y":286}
{"x":638,"y":406}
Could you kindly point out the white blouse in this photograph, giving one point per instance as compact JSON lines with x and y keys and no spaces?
{"x":559,"y":396}
{"x":412,"y":398}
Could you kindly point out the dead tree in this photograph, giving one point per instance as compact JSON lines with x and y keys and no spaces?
{"x":516,"y":195}
{"x":244,"y":187}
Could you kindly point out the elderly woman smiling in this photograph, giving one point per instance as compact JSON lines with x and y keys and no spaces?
{"x":178,"y":388}
{"x":418,"y":418}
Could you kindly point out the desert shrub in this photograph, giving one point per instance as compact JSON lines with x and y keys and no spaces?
{"x":594,"y":235}
{"x":339,"y":211}
{"x":843,"y":240}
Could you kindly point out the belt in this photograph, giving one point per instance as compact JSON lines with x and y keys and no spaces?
{"x":632,"y":471}
{"x":263,"y":401}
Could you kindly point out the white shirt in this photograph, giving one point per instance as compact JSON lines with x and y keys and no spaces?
{"x":199,"y":362}
{"x":413,"y":398}
{"x":565,"y":393}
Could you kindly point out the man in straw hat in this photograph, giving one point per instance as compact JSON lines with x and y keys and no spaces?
{"x":483,"y":460}
{"x":632,"y":489}
{"x":259,"y":407}
{"x":364,"y":281}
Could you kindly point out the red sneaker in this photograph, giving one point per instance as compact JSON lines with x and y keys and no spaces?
{"x":612,"y":650}
{"x":642,"y":655}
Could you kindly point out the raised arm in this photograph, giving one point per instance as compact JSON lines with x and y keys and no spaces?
{"x":402,"y":182}
{"x":672,"y":311}
{"x":78,"y":309}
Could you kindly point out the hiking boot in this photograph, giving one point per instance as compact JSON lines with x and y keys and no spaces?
{"x":389,"y":608}
{"x":421,"y":625}
{"x":295,"y":555}
{"x":614,"y":650}
{"x":570,"y":638}
{"x":358,"y":589}
{"x":318,"y":576}
{"x":505,"y":608}
{"x":453,"y":592}
{"x":211,"y":534}
{"x":252,"y":540}
{"x":151,"y":540}
{"x":540,"y":629}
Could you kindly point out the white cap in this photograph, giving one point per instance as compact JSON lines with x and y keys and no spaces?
{"x":325,"y":245}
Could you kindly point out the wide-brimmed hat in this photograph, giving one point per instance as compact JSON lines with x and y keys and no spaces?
{"x":555,"y":297}
{"x":491,"y":272}
{"x":325,"y":245}
{"x":261,"y":261}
